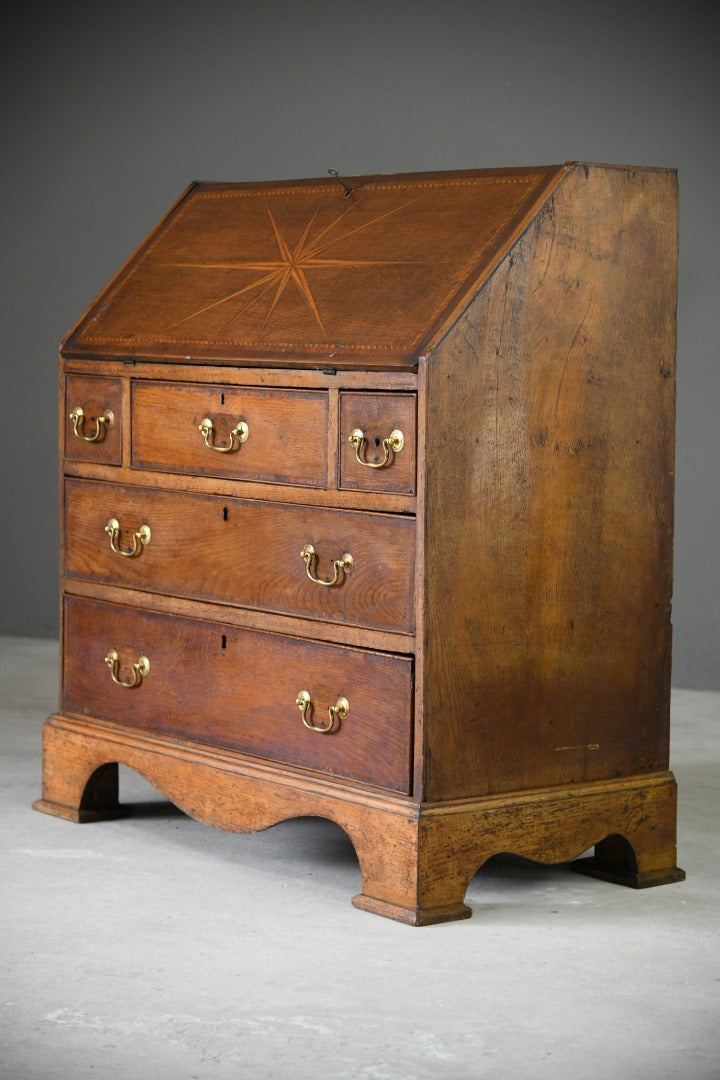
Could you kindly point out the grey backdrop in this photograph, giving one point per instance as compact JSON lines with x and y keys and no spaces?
{"x":109,"y":110}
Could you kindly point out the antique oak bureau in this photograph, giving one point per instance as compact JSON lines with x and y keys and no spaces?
{"x":367,"y":514}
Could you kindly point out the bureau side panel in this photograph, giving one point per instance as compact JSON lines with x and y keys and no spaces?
{"x":549,"y":512}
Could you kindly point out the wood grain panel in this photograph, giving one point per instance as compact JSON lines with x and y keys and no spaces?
{"x":240,"y":375}
{"x":287,"y":441}
{"x":549,"y":500}
{"x":95,"y":395}
{"x":237,"y":688}
{"x":377,"y":416}
{"x":386,"y":502}
{"x":416,"y":862}
{"x":302,"y":271}
{"x":245,"y":552}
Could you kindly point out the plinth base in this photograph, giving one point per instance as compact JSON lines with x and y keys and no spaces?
{"x":416,"y":859}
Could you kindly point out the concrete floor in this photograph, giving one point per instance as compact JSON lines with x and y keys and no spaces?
{"x":157,"y":947}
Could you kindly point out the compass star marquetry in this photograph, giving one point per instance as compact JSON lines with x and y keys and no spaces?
{"x":262,"y":272}
{"x":294,"y":263}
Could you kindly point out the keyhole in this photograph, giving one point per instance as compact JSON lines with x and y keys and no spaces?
{"x":225,"y":513}
{"x":377,"y":442}
{"x":222,"y":399}
{"x":223,"y":642}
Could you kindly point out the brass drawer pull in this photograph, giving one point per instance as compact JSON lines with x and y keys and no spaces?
{"x":342,"y":565}
{"x":140,"y":538}
{"x":140,"y":669}
{"x":238,"y":435}
{"x":101,"y":424}
{"x":394,"y":442}
{"x":338,"y":711}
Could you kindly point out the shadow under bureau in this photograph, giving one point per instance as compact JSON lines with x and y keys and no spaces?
{"x":367,"y":514}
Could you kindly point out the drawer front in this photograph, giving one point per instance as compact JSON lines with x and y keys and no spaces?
{"x":370,"y":455}
{"x":284,"y":440}
{"x":239,"y":688}
{"x":245,"y":552}
{"x":93,"y":419}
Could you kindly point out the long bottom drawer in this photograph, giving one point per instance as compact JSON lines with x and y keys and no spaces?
{"x":242,"y":689}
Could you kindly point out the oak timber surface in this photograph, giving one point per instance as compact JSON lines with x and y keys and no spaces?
{"x":292,"y":269}
{"x":502,"y":637}
{"x":99,"y":398}
{"x":551,"y":411}
{"x":378,"y":416}
{"x":286,"y":431}
{"x":237,"y":688}
{"x":245,"y":552}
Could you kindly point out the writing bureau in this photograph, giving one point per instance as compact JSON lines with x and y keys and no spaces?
{"x":367,"y":514}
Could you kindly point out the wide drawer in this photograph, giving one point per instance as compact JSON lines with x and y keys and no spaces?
{"x":284,"y":439}
{"x":93,"y":419}
{"x":239,"y":689}
{"x":244,"y":552}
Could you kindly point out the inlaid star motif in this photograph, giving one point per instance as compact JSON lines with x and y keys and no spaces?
{"x":292,"y":266}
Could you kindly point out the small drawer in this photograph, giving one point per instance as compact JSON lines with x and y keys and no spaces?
{"x":242,"y":689}
{"x":244,"y":552}
{"x":93,"y":419}
{"x":377,"y":442}
{"x":274,"y":436}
